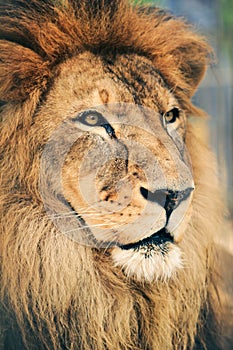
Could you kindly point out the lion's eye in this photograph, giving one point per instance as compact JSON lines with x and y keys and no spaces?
{"x":94,"y":118}
{"x":172,"y":115}
{"x":91,"y":118}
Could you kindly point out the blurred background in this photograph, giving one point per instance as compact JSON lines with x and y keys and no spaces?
{"x":214,"y":19}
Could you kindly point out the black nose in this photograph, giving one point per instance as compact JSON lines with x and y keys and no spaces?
{"x":168,"y":199}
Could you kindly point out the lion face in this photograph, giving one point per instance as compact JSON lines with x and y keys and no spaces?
{"x":124,"y":172}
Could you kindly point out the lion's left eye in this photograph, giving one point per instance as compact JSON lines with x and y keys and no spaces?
{"x":172,"y":115}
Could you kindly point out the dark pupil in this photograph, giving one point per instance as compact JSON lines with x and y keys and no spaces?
{"x":92,"y":118}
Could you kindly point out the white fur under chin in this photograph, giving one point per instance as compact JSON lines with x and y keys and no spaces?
{"x":148,"y":266}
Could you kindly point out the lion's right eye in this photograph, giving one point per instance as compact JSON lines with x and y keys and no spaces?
{"x":91,"y":118}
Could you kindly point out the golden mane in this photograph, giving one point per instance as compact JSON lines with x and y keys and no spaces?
{"x":42,"y":35}
{"x":62,"y":295}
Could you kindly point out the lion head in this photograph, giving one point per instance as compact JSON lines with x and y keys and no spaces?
{"x":109,"y":194}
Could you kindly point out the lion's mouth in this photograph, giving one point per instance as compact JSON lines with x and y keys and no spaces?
{"x":158,"y":238}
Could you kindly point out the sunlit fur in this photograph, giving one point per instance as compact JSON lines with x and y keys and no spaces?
{"x":62,"y":295}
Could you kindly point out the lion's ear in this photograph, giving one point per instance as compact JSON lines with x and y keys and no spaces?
{"x":180,"y":54}
{"x":193,"y":60}
{"x":184,"y":63}
{"x":22,"y":72}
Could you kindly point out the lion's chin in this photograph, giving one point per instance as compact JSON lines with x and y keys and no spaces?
{"x":150,"y":262}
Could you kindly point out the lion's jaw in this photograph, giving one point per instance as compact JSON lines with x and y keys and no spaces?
{"x":149,"y":263}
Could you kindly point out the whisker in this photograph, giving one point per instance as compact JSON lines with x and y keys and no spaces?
{"x":85,"y":226}
{"x":84,"y":214}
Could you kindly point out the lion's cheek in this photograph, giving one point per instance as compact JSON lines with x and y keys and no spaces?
{"x":113,"y":218}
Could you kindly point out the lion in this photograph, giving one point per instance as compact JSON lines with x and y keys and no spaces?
{"x":110,"y":202}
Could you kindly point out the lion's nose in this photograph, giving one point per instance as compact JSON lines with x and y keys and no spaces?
{"x":168,"y":199}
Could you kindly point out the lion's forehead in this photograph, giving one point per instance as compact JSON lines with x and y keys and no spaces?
{"x":89,"y":80}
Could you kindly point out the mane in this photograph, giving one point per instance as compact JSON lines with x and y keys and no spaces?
{"x":47,"y":280}
{"x":43,"y":34}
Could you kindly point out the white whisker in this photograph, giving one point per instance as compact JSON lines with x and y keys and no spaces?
{"x":86,"y":226}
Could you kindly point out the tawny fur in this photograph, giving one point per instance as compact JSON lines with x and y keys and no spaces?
{"x":62,"y":295}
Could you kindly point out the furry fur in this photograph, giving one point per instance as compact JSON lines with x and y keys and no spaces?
{"x":55,"y":293}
